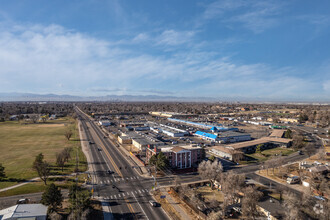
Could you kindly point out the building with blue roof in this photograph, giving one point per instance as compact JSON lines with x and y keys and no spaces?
{"x":223,"y":137}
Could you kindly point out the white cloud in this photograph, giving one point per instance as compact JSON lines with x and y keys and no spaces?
{"x":173,"y":38}
{"x":256,"y":16}
{"x":53,"y":59}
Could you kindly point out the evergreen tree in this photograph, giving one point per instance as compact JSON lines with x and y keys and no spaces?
{"x":2,"y":172}
{"x":52,"y":197}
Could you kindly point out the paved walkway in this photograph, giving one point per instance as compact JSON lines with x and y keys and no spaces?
{"x":175,"y":205}
{"x":33,"y":180}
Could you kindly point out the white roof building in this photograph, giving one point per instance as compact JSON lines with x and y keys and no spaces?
{"x":24,"y":211}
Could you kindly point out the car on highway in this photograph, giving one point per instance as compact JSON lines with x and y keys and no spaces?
{"x":91,"y":142}
{"x":99,"y":149}
{"x":109,"y":172}
{"x":153,"y":203}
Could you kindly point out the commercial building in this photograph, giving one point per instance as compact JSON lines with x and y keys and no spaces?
{"x":202,"y":125}
{"x":168,"y":130}
{"x":179,"y":157}
{"x":228,"y":153}
{"x":288,"y":120}
{"x":124,"y":139}
{"x":105,"y":123}
{"x":224,"y":137}
{"x":266,"y":142}
{"x":133,"y":123}
{"x":142,"y":141}
{"x":24,"y":211}
{"x":171,"y":114}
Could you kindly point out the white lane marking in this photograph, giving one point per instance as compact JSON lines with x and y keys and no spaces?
{"x":127,"y":178}
{"x":131,"y":178}
{"x":101,"y":182}
{"x":142,"y":190}
{"x":108,"y":181}
{"x":140,"y":206}
{"x":123,"y":179}
{"x":123,"y":194}
{"x":118,"y":195}
{"x":135,"y":191}
{"x":115,"y":196}
{"x":146,"y":190}
{"x":111,"y":197}
{"x":139,"y":191}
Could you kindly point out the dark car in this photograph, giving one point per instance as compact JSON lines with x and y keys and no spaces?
{"x":153,"y":203}
{"x":109,"y":172}
{"x":23,"y":201}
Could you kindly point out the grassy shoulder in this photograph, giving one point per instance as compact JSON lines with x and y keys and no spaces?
{"x":21,"y":142}
{"x":39,"y":186}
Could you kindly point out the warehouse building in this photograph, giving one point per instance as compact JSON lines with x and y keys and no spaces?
{"x":105,"y":123}
{"x":168,"y":130}
{"x":141,"y":141}
{"x":224,"y":137}
{"x":202,"y":125}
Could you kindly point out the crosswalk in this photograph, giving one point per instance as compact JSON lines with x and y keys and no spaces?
{"x":114,"y":180}
{"x":138,"y":192}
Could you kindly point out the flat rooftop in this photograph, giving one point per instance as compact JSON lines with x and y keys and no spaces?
{"x":262,"y":140}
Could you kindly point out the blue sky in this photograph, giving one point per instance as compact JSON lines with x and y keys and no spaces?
{"x":270,"y":50}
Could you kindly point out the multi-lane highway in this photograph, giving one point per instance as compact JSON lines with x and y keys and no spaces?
{"x":114,"y":181}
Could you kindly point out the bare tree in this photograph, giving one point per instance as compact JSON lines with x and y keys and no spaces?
{"x":298,"y":141}
{"x":34,"y":118}
{"x":231,"y":185}
{"x":309,"y":149}
{"x":293,"y":206}
{"x":210,"y":170}
{"x":60,"y":160}
{"x":67,"y":153}
{"x":249,"y":203}
{"x":68,"y":134}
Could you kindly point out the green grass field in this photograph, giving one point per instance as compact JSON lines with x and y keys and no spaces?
{"x":267,"y":154}
{"x":20,"y":143}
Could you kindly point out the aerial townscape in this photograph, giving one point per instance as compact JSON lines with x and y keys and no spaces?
{"x":165,"y":110}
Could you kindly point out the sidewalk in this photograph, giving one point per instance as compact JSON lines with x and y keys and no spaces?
{"x":31,"y":181}
{"x":175,"y":205}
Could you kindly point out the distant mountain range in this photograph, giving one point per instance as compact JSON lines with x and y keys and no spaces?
{"x":10,"y":97}
{"x":24,"y":97}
